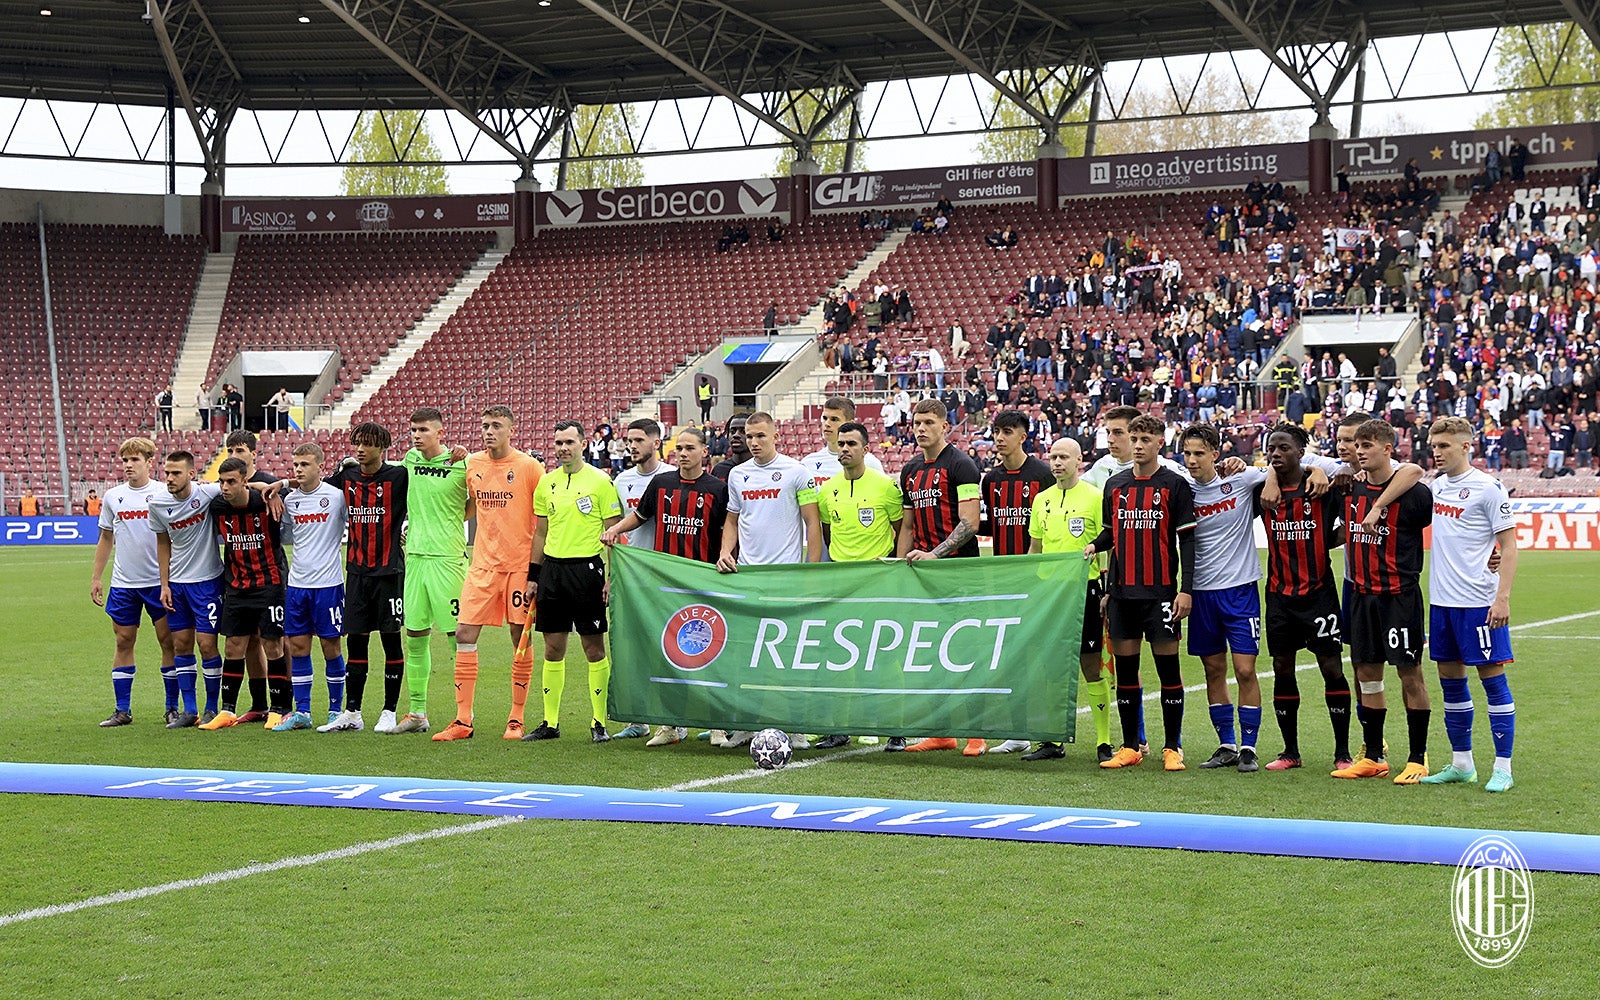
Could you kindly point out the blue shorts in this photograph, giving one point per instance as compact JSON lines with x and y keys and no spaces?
{"x":315,"y":611}
{"x":1226,"y":619}
{"x":195,"y":606}
{"x":123,"y":604}
{"x":1463,"y":635}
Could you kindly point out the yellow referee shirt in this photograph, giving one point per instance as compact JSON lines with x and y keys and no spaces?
{"x":577,"y":506}
{"x":1067,"y":520}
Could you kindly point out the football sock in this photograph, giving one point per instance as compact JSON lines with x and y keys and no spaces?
{"x":184,"y":667}
{"x":466,"y":680}
{"x":599,"y":684}
{"x":521,"y":677}
{"x":1222,"y":722}
{"x":419,"y":664}
{"x":1286,"y":706}
{"x":355,"y":670}
{"x":1417,"y":720}
{"x":1249,"y":725}
{"x":122,"y":686}
{"x":1372,"y":731}
{"x":280,"y":693}
{"x":555,"y":681}
{"x":211,"y":674}
{"x":300,"y":678}
{"x":232,"y":678}
{"x":1502,"y":719}
{"x":1361,"y":718}
{"x":334,"y":668}
{"x":258,"y":693}
{"x":1458,"y":720}
{"x":1130,"y":696}
{"x":169,"y":684}
{"x":1171,"y":699}
{"x":394,"y":669}
{"x":1099,"y":693}
{"x":1337,"y":695}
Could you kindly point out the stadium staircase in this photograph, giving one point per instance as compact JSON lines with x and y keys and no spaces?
{"x":390,"y":363}
{"x":200,"y":339}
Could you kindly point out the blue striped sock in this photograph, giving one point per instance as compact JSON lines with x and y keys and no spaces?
{"x":1249,"y":725}
{"x":169,"y":681}
{"x":300,"y":677}
{"x":1457,"y":713}
{"x":122,"y":686}
{"x":184,"y":667}
{"x":211,"y":673}
{"x":335,"y":673}
{"x":1502,"y":717}
{"x":1222,"y":722}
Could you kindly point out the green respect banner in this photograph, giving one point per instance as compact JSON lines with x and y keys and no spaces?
{"x":951,"y":647}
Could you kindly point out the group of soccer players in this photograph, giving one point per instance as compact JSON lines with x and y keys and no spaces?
{"x":1165,"y":542}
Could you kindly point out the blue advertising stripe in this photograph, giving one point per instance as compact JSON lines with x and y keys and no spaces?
{"x":1556,"y":852}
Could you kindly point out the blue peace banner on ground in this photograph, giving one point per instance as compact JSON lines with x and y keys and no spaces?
{"x":1557,"y":852}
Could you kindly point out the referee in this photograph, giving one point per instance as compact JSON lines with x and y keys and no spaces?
{"x":567,"y":578}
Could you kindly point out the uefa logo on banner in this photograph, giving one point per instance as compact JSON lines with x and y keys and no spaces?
{"x":694,"y":636}
{"x":1491,"y":901}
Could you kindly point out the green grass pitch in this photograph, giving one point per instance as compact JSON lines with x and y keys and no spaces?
{"x":599,"y":910}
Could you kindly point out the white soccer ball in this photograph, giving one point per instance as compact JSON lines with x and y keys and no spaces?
{"x":770,"y":749}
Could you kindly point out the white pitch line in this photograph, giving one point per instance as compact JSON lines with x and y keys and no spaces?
{"x":304,"y":860}
{"x":299,"y":861}
{"x":1587,"y":638}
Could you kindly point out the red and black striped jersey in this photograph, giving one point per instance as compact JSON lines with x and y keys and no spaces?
{"x":1387,"y":559}
{"x":1301,"y":531}
{"x":377,"y":512}
{"x":1008,"y":503}
{"x":689,"y":514}
{"x":252,"y":551}
{"x":933,"y":494}
{"x":1144,"y":518}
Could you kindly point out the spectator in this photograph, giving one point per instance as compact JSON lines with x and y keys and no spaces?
{"x":164,"y":409}
{"x":1514,"y":445}
{"x":1518,"y":155}
{"x":769,"y":320}
{"x":705,"y":396}
{"x":28,"y":506}
{"x":280,"y":404}
{"x":235,"y":402}
{"x":202,"y":405}
{"x":91,"y":504}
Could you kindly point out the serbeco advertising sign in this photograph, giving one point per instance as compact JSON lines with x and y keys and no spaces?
{"x":1188,"y":168}
{"x":710,"y":200}
{"x":343,"y":215}
{"x":1466,"y":150}
{"x":924,"y":186}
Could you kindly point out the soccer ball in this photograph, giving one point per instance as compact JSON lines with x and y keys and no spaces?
{"x":770,"y":749}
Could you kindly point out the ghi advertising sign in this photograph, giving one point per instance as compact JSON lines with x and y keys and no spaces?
{"x":924,"y":186}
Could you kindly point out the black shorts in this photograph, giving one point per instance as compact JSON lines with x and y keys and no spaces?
{"x":1142,"y":618}
{"x":373,"y":603}
{"x":1094,"y":622}
{"x":1386,"y":628}
{"x":571,"y":597}
{"x":1311,"y":621}
{"x":252,"y":611}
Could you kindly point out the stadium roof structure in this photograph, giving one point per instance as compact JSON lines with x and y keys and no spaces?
{"x":516,"y":68}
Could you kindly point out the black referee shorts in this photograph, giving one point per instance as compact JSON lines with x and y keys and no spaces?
{"x":571,"y":596}
{"x":252,"y":611}
{"x":1094,"y":622}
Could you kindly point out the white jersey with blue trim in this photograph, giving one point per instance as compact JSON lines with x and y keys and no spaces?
{"x":192,"y":532}
{"x":1224,"y":531}
{"x":1107,"y":466}
{"x":125,"y":512}
{"x":631,"y":485}
{"x":1468,"y":511}
{"x":314,"y":524}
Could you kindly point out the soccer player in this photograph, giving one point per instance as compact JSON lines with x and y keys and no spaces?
{"x":314,"y":522}
{"x":1471,"y":605}
{"x":375,"y":506}
{"x":242,"y":444}
{"x":1227,"y":604}
{"x":643,"y":440}
{"x":860,"y":509}
{"x":738,"y":448}
{"x":772,"y":519}
{"x":1007,"y":494}
{"x":252,"y":602}
{"x":567,"y":578}
{"x":135,"y":578}
{"x":1119,"y":448}
{"x":688,"y":507}
{"x":942,"y":510}
{"x":191,"y":582}
{"x":1147,"y":519}
{"x":1066,"y":518}
{"x":825,"y":462}
{"x":501,"y":482}
{"x":1303,"y":609}
{"x":1384,"y":622}
{"x":437,"y":503}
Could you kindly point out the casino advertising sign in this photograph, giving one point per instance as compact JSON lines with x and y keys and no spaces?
{"x":344,"y":215}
